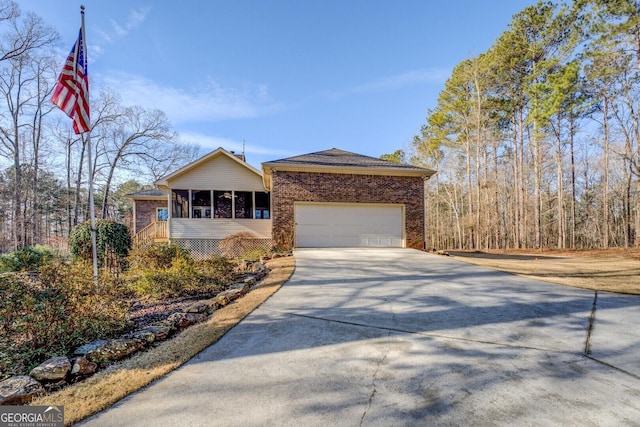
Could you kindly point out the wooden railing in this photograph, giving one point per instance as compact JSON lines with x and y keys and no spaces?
{"x":156,"y":231}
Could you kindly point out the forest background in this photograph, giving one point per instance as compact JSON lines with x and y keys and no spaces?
{"x":536,"y":141}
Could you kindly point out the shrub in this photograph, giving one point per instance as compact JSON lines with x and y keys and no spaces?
{"x":27,"y":258}
{"x":53,"y":312}
{"x":254,"y":255}
{"x":216,"y":270}
{"x":113,"y":243}
{"x":167,"y":271}
{"x":156,"y":256}
{"x":237,"y":244}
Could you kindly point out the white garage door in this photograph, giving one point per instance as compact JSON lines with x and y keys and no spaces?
{"x":322,"y":225}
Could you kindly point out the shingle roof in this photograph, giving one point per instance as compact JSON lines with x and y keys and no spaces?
{"x":341,"y":158}
{"x":341,"y":161}
{"x":147,"y":193}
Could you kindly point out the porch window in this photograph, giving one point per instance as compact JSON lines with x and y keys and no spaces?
{"x":201,"y":204}
{"x":180,"y":203}
{"x":262,"y":205}
{"x":223,"y":206}
{"x":243,"y":204}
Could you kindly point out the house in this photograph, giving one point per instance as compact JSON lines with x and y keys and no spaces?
{"x":197,"y":206}
{"x":336,"y":198}
{"x":323,"y":199}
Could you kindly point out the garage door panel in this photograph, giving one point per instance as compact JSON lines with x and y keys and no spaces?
{"x":330,"y":225}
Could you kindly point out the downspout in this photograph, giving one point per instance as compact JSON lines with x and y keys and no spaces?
{"x":425,"y":178}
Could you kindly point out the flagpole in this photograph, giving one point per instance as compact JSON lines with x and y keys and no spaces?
{"x":92,"y":209}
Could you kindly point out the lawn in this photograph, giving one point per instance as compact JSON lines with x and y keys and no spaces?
{"x":610,"y":270}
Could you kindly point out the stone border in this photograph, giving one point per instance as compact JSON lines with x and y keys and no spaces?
{"x":86,"y":360}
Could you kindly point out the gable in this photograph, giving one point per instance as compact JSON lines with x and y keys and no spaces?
{"x":220,"y":173}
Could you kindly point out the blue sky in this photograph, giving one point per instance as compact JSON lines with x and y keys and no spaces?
{"x":287,"y":77}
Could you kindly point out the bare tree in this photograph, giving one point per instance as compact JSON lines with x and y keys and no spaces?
{"x":20,"y":46}
{"x":135,"y":134}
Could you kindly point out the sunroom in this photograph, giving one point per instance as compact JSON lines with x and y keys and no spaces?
{"x":215,"y":197}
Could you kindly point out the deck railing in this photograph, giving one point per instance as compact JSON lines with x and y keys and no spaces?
{"x":156,"y":231}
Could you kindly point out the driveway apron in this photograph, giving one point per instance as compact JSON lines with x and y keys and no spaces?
{"x":399,"y":337}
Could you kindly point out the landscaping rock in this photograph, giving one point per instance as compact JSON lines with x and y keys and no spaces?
{"x":250,"y":281}
{"x":244,"y":286}
{"x":200,"y":307}
{"x":112,"y":350}
{"x":54,"y":369}
{"x":143,"y":335}
{"x":160,"y":332}
{"x":182,"y":320}
{"x":19,"y":390}
{"x":225,"y":297}
{"x":242,"y":266}
{"x":282,"y":254}
{"x":81,"y":367}
{"x":258,"y":267}
{"x":88,"y":348}
{"x":166,"y":324}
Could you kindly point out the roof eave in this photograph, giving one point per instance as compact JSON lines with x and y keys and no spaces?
{"x":269,"y":167}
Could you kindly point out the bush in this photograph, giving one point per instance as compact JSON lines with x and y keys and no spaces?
{"x":254,"y":255}
{"x":167,"y":271}
{"x":156,"y":256}
{"x":27,"y":258}
{"x":113,"y":243}
{"x":237,"y":244}
{"x":52,"y":313}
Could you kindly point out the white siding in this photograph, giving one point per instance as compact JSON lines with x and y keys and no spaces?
{"x":349,"y":225}
{"x":217,"y":228}
{"x":219,"y":173}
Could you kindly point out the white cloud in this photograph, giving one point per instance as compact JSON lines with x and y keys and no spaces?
{"x":209,"y":143}
{"x":398,"y":81}
{"x":137,"y":17}
{"x":134,"y":19}
{"x":210,"y":102}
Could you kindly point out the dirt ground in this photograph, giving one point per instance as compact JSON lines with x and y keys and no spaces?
{"x":611,"y":270}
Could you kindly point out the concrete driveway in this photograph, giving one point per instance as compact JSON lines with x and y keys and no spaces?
{"x":397,"y":337}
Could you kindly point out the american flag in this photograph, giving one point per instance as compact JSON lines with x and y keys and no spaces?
{"x":71,"y":94}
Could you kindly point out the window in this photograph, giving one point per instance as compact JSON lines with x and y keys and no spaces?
{"x":263,"y":205}
{"x":201,"y":204}
{"x":162,"y":214}
{"x":180,"y":203}
{"x":222,"y":201}
{"x":244,"y":204}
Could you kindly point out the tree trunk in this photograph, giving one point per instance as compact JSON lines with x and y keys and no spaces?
{"x":605,"y":203}
{"x":76,"y":211}
{"x":560,"y":192}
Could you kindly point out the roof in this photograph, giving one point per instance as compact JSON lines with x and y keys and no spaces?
{"x":153,"y":194}
{"x":164,"y":181}
{"x":341,"y":161}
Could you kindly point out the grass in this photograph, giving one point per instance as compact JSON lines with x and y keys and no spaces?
{"x":102,"y":390}
{"x":613,"y":270}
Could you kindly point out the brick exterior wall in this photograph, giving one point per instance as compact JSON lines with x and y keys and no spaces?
{"x":146,"y":212}
{"x":290,"y":187}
